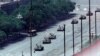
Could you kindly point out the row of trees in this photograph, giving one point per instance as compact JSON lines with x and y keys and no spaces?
{"x":44,"y":13}
{"x":8,"y":24}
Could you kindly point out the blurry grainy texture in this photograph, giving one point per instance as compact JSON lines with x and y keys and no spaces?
{"x":56,"y":46}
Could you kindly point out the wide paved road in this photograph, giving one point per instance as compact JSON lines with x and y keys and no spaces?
{"x":56,"y":48}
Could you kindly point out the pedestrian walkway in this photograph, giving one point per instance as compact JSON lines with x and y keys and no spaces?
{"x":93,"y":50}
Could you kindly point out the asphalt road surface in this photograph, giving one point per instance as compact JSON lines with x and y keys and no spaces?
{"x":56,"y":47}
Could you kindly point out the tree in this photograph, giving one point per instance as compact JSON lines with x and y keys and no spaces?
{"x":2,"y":35}
{"x":44,"y":12}
{"x":10,"y":23}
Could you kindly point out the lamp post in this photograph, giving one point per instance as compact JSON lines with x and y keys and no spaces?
{"x":74,"y":21}
{"x":30,"y":27}
{"x":89,"y":22}
{"x":82,"y":18}
{"x":63,"y":29}
{"x":95,"y":25}
{"x":64,"y":42}
{"x":89,"y":14}
{"x":32,"y":31}
{"x":98,"y":10}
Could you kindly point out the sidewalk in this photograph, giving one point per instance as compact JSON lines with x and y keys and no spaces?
{"x":93,"y":50}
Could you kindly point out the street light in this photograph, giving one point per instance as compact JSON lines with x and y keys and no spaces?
{"x":97,"y":10}
{"x":63,"y":30}
{"x":30,"y":27}
{"x":32,"y":31}
{"x":82,"y":18}
{"x":74,"y":21}
{"x":89,"y":14}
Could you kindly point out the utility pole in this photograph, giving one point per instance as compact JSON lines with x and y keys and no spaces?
{"x":63,"y":30}
{"x":30,"y":27}
{"x":95,"y":25}
{"x":73,"y":39}
{"x":64,"y":41}
{"x":82,"y":18}
{"x":90,"y":21}
{"x":74,"y":21}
